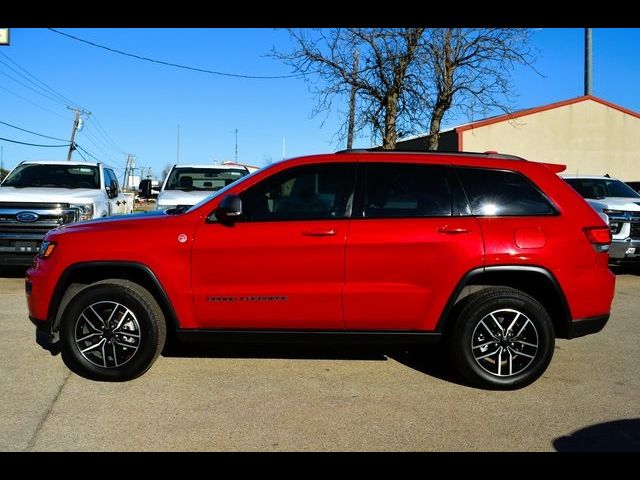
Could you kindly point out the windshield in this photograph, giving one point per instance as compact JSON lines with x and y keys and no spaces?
{"x":601,"y":187}
{"x":193,"y":178}
{"x":53,"y":176}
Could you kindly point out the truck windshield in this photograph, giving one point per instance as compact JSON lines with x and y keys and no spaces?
{"x":601,"y":188}
{"x":53,"y":176}
{"x":211,"y":179}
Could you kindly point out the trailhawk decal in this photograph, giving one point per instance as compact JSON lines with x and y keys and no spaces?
{"x":248,"y":298}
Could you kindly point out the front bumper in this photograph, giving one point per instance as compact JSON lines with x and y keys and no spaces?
{"x":619,"y":248}
{"x":45,"y":337}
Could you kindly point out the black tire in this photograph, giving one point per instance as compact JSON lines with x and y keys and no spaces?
{"x":121,"y":351}
{"x":488,"y":322}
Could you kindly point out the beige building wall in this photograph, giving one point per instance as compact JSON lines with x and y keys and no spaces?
{"x":589,"y":137}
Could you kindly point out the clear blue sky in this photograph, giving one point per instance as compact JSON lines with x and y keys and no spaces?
{"x":140,"y":104}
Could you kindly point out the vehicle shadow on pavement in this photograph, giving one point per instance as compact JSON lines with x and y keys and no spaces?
{"x":432,"y":360}
{"x":618,"y":436}
{"x":12,"y":272}
{"x":629,"y":269}
{"x":271,"y":351}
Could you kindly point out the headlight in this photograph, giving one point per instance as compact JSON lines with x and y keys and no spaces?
{"x":612,"y":212}
{"x":46,"y":249}
{"x":86,"y":210}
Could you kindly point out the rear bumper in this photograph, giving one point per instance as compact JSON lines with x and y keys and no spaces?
{"x":587,"y":326}
{"x":618,"y":250}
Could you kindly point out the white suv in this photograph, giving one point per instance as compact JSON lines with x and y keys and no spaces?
{"x":619,"y":205}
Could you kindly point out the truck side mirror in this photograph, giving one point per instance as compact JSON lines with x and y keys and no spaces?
{"x":144,"y":189}
{"x":229,"y":210}
{"x":112,"y":189}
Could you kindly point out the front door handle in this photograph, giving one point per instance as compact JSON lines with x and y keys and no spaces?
{"x":319,"y":232}
{"x":452,"y":230}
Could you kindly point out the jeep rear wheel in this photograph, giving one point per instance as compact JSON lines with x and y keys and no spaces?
{"x":502,"y":339}
{"x":112,"y":330}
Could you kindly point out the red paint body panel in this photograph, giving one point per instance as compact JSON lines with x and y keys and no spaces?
{"x":234,"y":267}
{"x":370,"y":274}
{"x":401,"y":272}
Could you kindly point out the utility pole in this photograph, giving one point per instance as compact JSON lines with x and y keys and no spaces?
{"x":74,"y":129}
{"x":352,"y":101}
{"x":129,"y":169}
{"x":126,"y":172}
{"x":283,"y":148}
{"x":587,"y":61}
{"x":236,"y":131}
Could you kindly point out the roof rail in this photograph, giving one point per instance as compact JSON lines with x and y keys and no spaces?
{"x":487,"y":154}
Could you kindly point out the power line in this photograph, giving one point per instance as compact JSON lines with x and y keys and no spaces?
{"x":31,"y":144}
{"x":95,"y":158}
{"x":55,"y":92}
{"x":169,"y":64}
{"x":100,"y":129}
{"x":80,"y":153}
{"x":33,"y":133}
{"x":47,"y":96}
{"x":33,"y":103}
{"x":93,"y":141}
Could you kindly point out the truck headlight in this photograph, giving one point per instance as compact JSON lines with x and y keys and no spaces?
{"x":86,"y":210}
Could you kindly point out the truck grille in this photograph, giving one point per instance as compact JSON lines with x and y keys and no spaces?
{"x":25,"y":235}
{"x":635,"y":230}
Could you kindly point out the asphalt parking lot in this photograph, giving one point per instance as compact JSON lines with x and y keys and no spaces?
{"x":254,"y":398}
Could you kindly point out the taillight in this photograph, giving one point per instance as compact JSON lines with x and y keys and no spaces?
{"x":599,"y":237}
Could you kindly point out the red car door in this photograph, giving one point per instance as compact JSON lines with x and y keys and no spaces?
{"x":281,"y":266}
{"x":410,"y":241}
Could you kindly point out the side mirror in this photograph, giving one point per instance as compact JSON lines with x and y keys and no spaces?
{"x":112,"y":189}
{"x":229,"y":210}
{"x":144,"y":189}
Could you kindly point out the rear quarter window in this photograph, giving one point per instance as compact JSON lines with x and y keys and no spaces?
{"x":502,"y":193}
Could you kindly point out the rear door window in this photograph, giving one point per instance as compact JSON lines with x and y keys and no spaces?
{"x":395,"y":190}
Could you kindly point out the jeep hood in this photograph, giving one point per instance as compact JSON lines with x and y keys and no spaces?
{"x":48,"y":195}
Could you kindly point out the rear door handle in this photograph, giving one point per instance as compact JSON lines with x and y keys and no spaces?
{"x":319,"y":233}
{"x":452,"y":230}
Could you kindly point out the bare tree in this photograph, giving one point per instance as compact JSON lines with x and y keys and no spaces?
{"x":470,"y":70}
{"x":408,"y":79}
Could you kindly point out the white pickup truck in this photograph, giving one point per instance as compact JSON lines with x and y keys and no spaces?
{"x":37,"y":196}
{"x":186,"y":185}
{"x":619,"y":206}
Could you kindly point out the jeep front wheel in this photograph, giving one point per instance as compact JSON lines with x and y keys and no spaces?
{"x":112,"y":330}
{"x":502,"y":339}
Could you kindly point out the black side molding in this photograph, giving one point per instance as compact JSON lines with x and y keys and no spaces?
{"x":586,"y":326}
{"x":307,"y":336}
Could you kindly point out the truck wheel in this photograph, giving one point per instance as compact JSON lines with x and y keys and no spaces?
{"x":503,"y":339}
{"x":112,"y":330}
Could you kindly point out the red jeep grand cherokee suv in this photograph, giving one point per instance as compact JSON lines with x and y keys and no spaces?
{"x":493,"y":254}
